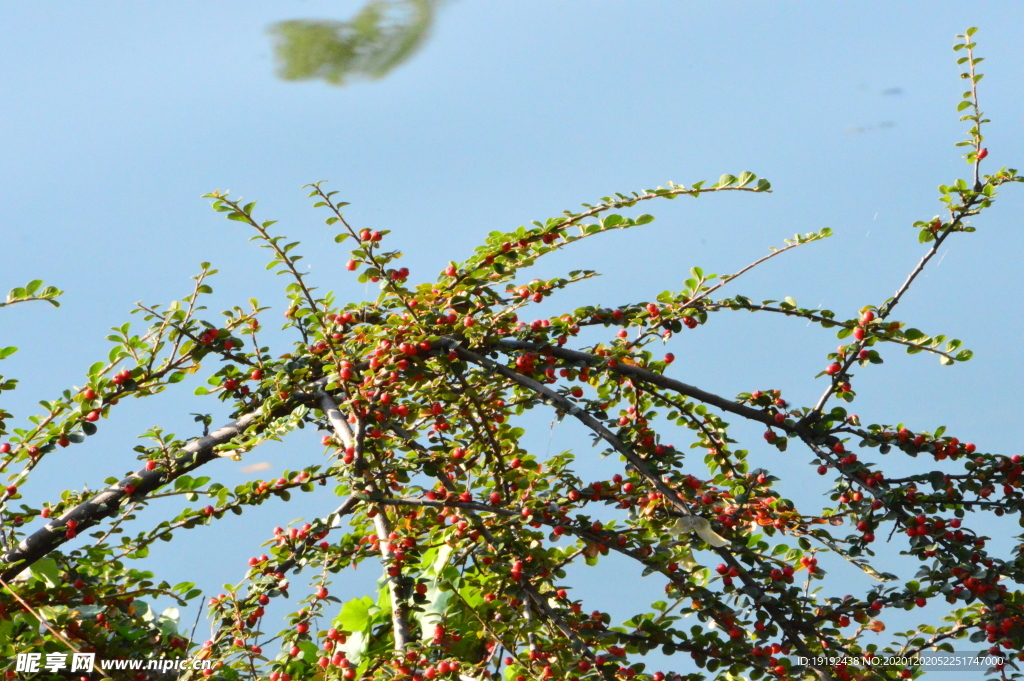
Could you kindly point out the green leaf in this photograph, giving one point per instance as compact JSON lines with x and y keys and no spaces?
{"x":168,"y":621}
{"x":46,"y":570}
{"x":356,"y":646}
{"x":355,"y":614}
{"x":7,"y":352}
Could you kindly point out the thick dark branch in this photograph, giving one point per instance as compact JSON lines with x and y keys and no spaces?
{"x":399,"y":620}
{"x":670,"y":495}
{"x":106,"y":504}
{"x":338,"y":422}
{"x":578,"y":357}
{"x":582,"y":415}
{"x":399,"y":617}
{"x":195,"y":454}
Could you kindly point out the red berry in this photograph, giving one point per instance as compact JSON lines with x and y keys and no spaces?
{"x":93,"y":415}
{"x":351,"y":265}
{"x":982,"y":154}
{"x":833,"y":368}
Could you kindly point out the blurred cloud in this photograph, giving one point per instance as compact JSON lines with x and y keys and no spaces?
{"x":861,"y":129}
{"x":384,"y":34}
{"x":254,"y":467}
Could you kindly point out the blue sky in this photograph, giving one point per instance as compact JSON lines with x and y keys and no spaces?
{"x":116,"y":117}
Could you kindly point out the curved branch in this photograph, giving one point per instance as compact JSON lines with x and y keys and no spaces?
{"x":106,"y":503}
{"x":670,"y":495}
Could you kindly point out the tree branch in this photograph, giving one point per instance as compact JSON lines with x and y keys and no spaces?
{"x":670,"y":495}
{"x":399,"y":621}
{"x":90,"y":513}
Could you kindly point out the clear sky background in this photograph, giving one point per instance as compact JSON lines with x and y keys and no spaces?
{"x":116,"y":117}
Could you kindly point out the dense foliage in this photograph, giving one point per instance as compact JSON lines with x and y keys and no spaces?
{"x":419,"y":394}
